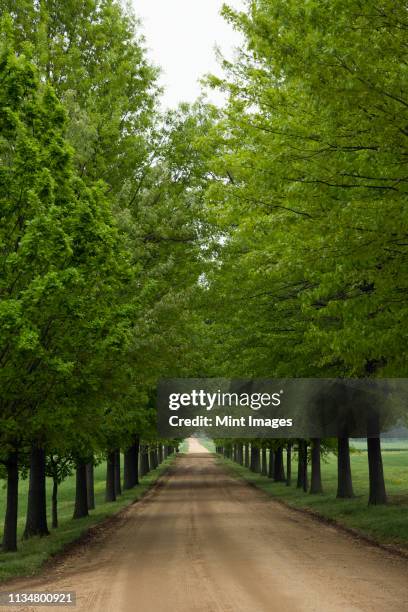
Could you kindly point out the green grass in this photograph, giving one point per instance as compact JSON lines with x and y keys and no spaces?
{"x":34,"y":552}
{"x":386,"y":524}
{"x":183,"y":446}
{"x":393,"y":444}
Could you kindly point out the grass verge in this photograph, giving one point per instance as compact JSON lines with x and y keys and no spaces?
{"x":386,"y":525}
{"x":33,"y":553}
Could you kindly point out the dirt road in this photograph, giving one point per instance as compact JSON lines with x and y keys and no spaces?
{"x":205,"y":542}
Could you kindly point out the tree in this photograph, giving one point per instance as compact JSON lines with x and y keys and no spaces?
{"x":81,"y":491}
{"x":255,"y":461}
{"x":308,"y":197}
{"x":58,"y":468}
{"x":63,"y":262}
{"x":131,"y":464}
{"x":278,"y":469}
{"x":9,"y":543}
{"x":316,"y":477}
{"x":344,"y":478}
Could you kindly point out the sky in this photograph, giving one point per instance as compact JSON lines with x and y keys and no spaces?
{"x":181,"y":36}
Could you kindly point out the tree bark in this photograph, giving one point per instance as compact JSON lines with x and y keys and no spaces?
{"x":344,"y":478}
{"x":36,"y":522}
{"x":144,"y":460}
{"x":289,"y":464}
{"x":279,"y":469}
{"x":316,"y":477}
{"x":90,"y":485}
{"x":255,"y":459}
{"x":246,"y":460}
{"x":54,"y":503}
{"x":271,"y":463}
{"x":131,"y":479}
{"x":147,"y":466}
{"x":377,"y":494}
{"x":153,"y":458}
{"x":160,"y":453}
{"x":264,"y":469}
{"x":141,"y":460}
{"x":10,"y":520}
{"x":137,"y":459}
{"x":299,"y":483}
{"x":110,"y":495}
{"x":302,"y":481}
{"x":118,"y":484}
{"x":81,"y":492}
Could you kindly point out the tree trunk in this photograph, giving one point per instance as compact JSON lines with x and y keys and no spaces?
{"x":279,"y":469}
{"x":299,"y":483}
{"x":160,"y":453}
{"x":54,"y":503}
{"x":81,"y":492}
{"x":271,"y":463}
{"x":10,"y":520}
{"x":90,"y":485}
{"x":153,"y":458}
{"x":110,"y":478}
{"x":264,"y":470}
{"x":240,"y":454}
{"x":131,"y":466}
{"x":137,"y":459}
{"x":302,"y":482}
{"x":316,"y":477}
{"x":118,"y":484}
{"x":344,"y":479}
{"x":255,"y":459}
{"x":246,"y":461}
{"x":141,"y":460}
{"x":289,"y":464}
{"x":144,"y":460}
{"x":377,"y":494}
{"x":36,"y":523}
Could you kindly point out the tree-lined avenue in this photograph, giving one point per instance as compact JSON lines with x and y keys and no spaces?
{"x":202,"y":540}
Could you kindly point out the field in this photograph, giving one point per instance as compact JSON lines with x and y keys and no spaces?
{"x":386,"y":524}
{"x":32,"y":553}
{"x":390,"y":444}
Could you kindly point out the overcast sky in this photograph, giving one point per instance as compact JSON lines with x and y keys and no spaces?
{"x":181,"y":36}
